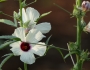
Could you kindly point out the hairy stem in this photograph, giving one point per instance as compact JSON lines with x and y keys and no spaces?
{"x":25,"y":66}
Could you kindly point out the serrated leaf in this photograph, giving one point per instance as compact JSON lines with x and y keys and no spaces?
{"x":5,"y":44}
{"x":8,"y":22}
{"x":5,"y":60}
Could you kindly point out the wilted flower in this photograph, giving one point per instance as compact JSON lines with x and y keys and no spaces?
{"x":29,"y":45}
{"x":29,"y":18}
{"x":85,"y":5}
{"x":87,"y":27}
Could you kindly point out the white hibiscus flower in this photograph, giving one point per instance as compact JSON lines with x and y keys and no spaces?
{"x":29,"y":45}
{"x":29,"y":17}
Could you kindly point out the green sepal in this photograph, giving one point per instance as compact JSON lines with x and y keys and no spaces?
{"x":76,"y":11}
{"x":24,"y":4}
{"x":5,"y":60}
{"x":8,"y":22}
{"x":73,"y":46}
{"x":84,"y":55}
{"x":26,"y":24}
{"x":16,"y":15}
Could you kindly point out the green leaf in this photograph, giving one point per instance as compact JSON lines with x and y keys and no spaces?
{"x":2,"y":0}
{"x":74,"y":52}
{"x":59,"y":50}
{"x":15,"y":17}
{"x":8,"y":22}
{"x":5,"y":44}
{"x":62,"y":8}
{"x":31,"y":2}
{"x":6,"y":55}
{"x":48,"y":40}
{"x":48,"y":47}
{"x":7,"y":37}
{"x":44,"y":14}
{"x":5,"y":60}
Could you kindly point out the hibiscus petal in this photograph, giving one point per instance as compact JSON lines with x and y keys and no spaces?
{"x":24,"y":16}
{"x":34,"y":36}
{"x":15,"y":44}
{"x":16,"y":48}
{"x":32,"y":14}
{"x":20,"y":33}
{"x":44,"y":27}
{"x":27,"y":57}
{"x":39,"y":49}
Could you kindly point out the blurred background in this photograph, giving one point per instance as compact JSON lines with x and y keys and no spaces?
{"x":63,"y":31}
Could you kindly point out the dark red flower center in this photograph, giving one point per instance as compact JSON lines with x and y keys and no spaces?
{"x":25,"y":46}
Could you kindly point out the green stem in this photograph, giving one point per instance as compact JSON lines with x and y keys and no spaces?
{"x":78,"y":65}
{"x":20,"y":3}
{"x":25,"y":66}
{"x":79,"y":33}
{"x":78,"y":3}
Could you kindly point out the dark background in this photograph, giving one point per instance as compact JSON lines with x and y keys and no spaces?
{"x":63,"y":31}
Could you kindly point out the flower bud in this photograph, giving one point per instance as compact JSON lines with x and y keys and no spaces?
{"x":85,"y":5}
